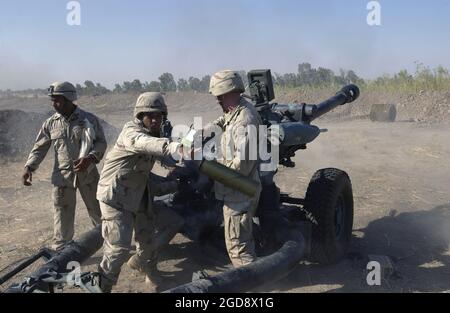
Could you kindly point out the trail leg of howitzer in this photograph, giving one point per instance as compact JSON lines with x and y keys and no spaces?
{"x":265,"y":270}
{"x":78,"y":251}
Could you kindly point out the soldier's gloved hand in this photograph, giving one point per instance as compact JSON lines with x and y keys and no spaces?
{"x":27,"y":177}
{"x":83,"y":163}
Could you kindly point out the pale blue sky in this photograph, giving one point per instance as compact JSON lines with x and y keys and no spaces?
{"x":123,"y":40}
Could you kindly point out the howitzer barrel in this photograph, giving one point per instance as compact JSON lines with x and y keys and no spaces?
{"x":347,"y":94}
{"x":307,"y":112}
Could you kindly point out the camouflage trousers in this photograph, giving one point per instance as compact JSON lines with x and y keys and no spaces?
{"x":153,"y":229}
{"x":64,"y":202}
{"x":238,"y":222}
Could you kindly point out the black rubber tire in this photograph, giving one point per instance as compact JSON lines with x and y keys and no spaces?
{"x":330,"y":194}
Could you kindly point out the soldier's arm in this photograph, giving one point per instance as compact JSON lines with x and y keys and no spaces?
{"x":220,"y":121}
{"x":245,"y":140}
{"x":215,"y":127}
{"x":40,"y":148}
{"x":167,"y":162}
{"x":141,"y":142}
{"x":99,"y":145}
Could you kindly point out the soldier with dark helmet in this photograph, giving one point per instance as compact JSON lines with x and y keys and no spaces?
{"x":126,"y":192}
{"x":79,"y":143}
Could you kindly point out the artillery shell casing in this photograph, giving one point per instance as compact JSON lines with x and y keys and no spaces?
{"x":229,"y":177}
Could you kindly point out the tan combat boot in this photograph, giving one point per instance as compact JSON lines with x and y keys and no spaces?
{"x":149,"y":268}
{"x":136,"y":264}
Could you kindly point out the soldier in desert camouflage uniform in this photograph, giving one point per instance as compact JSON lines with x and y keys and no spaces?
{"x":79,"y":143}
{"x":125,"y":193}
{"x":238,"y":208}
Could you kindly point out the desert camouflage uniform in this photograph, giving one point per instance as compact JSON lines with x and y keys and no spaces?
{"x":65,"y":134}
{"x":238,"y":209}
{"x":125,"y":194}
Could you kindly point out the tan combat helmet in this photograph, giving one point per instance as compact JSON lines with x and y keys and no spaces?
{"x":150,"y":102}
{"x":65,"y":89}
{"x":224,"y":82}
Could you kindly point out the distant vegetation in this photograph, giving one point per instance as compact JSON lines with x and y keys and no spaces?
{"x":424,"y":78}
{"x":306,"y":77}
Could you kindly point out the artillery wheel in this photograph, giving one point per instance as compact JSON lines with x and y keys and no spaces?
{"x":330,"y":200}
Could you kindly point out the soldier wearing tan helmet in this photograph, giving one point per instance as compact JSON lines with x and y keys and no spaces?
{"x":79,"y":143}
{"x":238,"y":209}
{"x":125,"y":192}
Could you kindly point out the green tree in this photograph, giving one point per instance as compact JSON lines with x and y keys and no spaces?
{"x":136,"y":85}
{"x":306,"y":74}
{"x":154,"y":86}
{"x":204,"y":84}
{"x":90,"y":87}
{"x":89,"y":84}
{"x":79,"y":89}
{"x":324,"y":76}
{"x":117,"y":88}
{"x":167,"y":82}
{"x":126,"y":87}
{"x":102,"y":90}
{"x":194,"y":84}
{"x":351,"y":77}
{"x":183,"y":84}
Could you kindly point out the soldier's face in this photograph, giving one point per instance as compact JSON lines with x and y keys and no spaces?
{"x":228,"y":101}
{"x":60,"y":104}
{"x":152,"y":121}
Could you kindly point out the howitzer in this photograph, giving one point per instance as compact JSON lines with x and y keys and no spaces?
{"x":291,"y":122}
{"x":317,"y":228}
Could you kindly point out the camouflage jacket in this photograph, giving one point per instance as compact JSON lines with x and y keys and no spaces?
{"x":236,"y":152}
{"x":65,"y":135}
{"x":125,"y":174}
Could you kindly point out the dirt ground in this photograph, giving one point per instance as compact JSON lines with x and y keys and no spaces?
{"x":400,"y":174}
